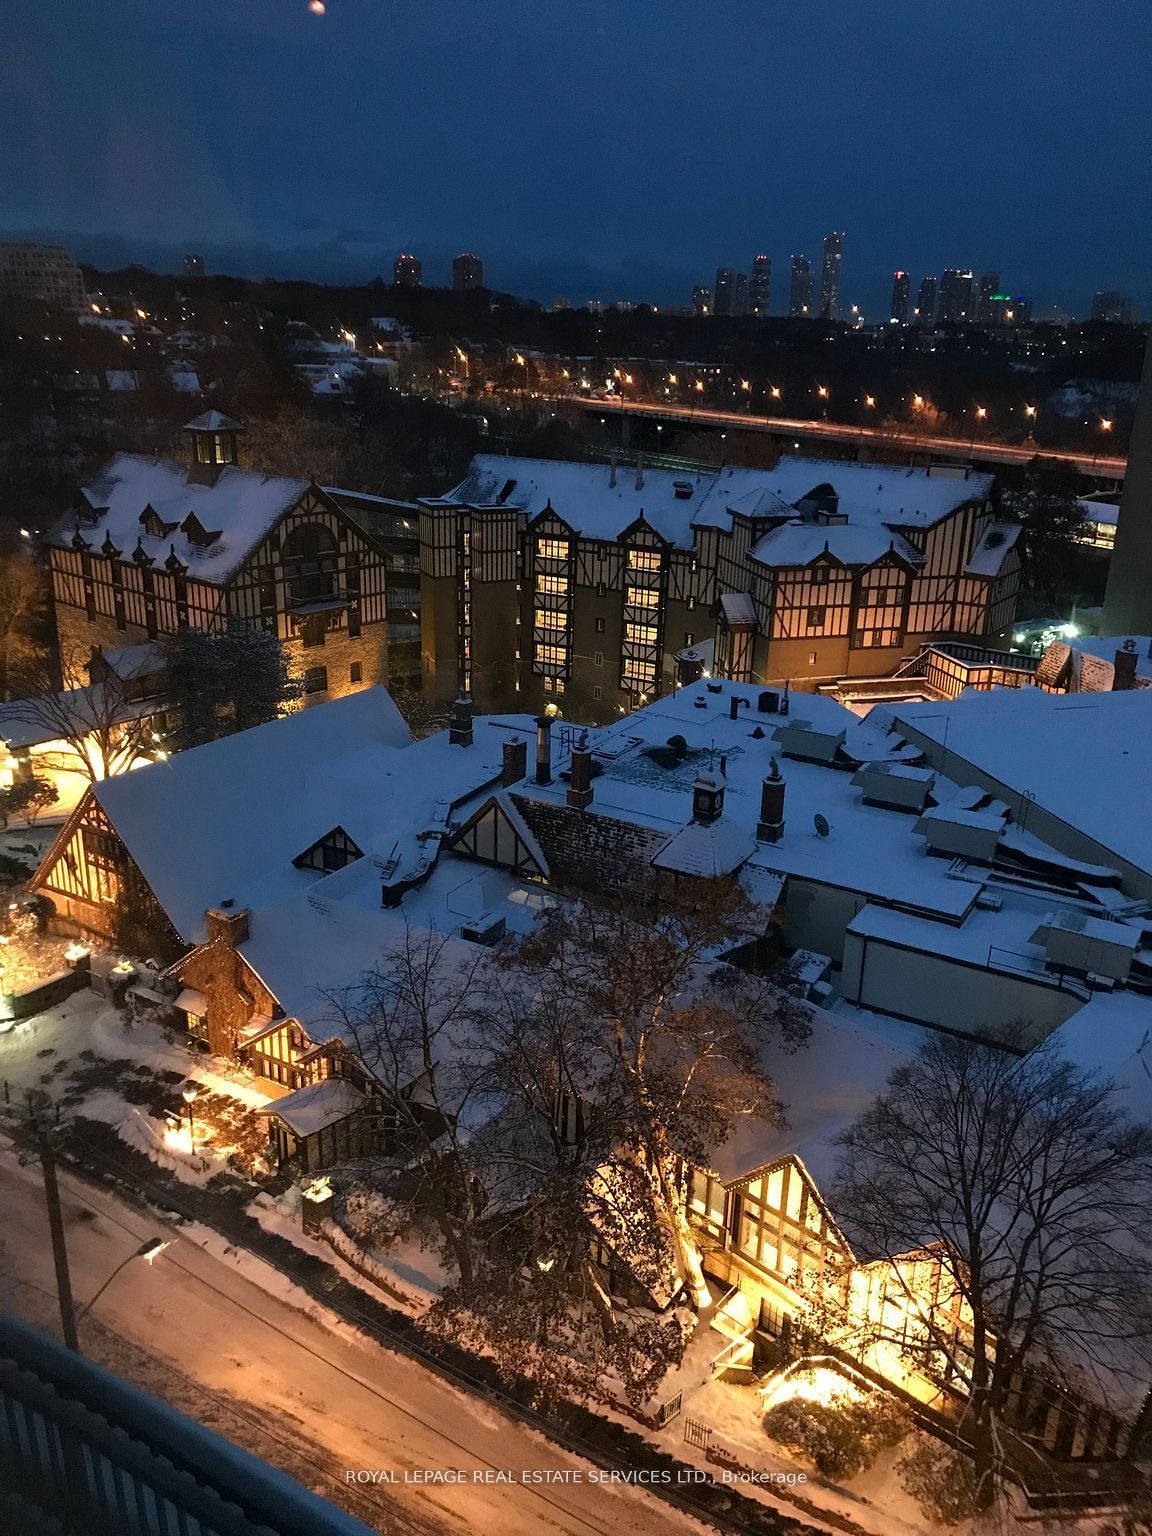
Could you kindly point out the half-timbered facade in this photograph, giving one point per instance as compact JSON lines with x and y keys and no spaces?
{"x":152,"y":546}
{"x":580,"y":584}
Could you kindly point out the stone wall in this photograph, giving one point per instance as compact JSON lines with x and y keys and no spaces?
{"x":584,"y":849}
{"x":233,"y":990}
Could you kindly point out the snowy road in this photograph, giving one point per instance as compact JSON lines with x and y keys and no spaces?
{"x":331,"y":1401}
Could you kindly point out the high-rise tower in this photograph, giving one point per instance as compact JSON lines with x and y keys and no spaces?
{"x":800,"y":288}
{"x":830,"y":276}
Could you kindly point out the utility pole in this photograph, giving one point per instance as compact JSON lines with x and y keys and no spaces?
{"x":56,"y":1226}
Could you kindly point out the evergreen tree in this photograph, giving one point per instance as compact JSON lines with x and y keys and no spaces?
{"x":225,"y":681}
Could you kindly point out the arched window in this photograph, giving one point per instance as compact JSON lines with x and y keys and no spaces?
{"x":310,"y":559}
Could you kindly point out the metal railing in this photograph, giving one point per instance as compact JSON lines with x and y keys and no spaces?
{"x":89,"y":1453}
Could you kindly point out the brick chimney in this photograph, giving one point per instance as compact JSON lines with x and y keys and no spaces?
{"x":770,"y":827}
{"x":1124,"y":667}
{"x":689,"y":667}
{"x":515,"y":761}
{"x":580,"y":788}
{"x":543,"y":749}
{"x":460,"y":730}
{"x":228,"y":922}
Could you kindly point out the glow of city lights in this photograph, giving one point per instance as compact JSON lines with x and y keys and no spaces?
{"x":672,"y":379}
{"x":745,"y":384}
{"x":869,"y":400}
{"x":775,"y":391}
{"x":917,"y":400}
{"x":981,"y":412}
{"x":1029,"y":410}
{"x":519,"y":360}
{"x":822,"y":391}
{"x":627,"y":378}
{"x":699,"y":385}
{"x":1105,"y":424}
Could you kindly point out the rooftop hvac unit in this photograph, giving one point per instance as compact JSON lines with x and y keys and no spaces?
{"x":488,"y":930}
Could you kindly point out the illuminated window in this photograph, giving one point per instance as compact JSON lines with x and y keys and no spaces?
{"x":642,"y":597}
{"x":820,"y":575}
{"x":552,"y":549}
{"x":552,"y":655}
{"x":557,"y":585}
{"x":552,"y":618}
{"x":644,"y":559}
{"x":640,"y":634}
{"x":815,"y":618}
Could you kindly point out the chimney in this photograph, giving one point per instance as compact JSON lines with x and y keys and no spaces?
{"x":580,"y":788}
{"x":612,"y":470}
{"x":1124,"y":667}
{"x":734,"y":707}
{"x":770,"y":827}
{"x":707,"y":800}
{"x":515,"y":761}
{"x":543,"y":749}
{"x":689,"y":667}
{"x":460,"y":730}
{"x":228,"y":923}
{"x":639,"y":471}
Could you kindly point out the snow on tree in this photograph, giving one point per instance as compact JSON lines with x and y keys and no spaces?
{"x":102,"y":727}
{"x":226,"y":680}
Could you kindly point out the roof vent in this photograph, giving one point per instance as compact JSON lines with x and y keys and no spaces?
{"x":682,"y":490}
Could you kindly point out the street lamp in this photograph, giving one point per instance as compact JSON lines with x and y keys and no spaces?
{"x":149,"y":1252}
{"x":189,"y":1096}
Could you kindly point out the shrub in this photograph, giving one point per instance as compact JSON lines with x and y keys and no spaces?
{"x":941,"y":1480}
{"x":840,"y":1438}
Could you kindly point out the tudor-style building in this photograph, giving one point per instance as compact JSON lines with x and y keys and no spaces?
{"x":581,"y":584}
{"x":152,"y":546}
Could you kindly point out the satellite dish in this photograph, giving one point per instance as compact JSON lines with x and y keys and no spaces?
{"x":821,"y":824}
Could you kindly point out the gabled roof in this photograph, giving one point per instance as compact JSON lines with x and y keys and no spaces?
{"x":800,"y":543}
{"x":241,"y":506}
{"x":213,"y":421}
{"x":707,"y":849}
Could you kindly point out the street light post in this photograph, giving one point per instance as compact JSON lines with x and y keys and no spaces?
{"x":59,"y":1246}
{"x":189,"y":1096}
{"x":148,"y":1251}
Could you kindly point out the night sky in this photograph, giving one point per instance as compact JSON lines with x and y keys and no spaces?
{"x":608,"y":148}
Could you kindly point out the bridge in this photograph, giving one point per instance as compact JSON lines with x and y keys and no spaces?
{"x":1099,"y":466}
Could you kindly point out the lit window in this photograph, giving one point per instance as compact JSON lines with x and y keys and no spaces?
{"x":554,"y":584}
{"x":552,"y":549}
{"x":552,"y":618}
{"x":640,"y":634}
{"x":642,"y":597}
{"x":644,"y":559}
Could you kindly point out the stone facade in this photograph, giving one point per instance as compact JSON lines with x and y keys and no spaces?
{"x":233,"y":990}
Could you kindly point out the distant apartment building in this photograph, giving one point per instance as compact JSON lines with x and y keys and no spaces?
{"x":898,"y":309}
{"x":407,"y":271}
{"x":731,"y":292}
{"x":467,"y":273}
{"x":1112,"y":306}
{"x":988,"y":285}
{"x":40,"y":274}
{"x":701,"y":299}
{"x":926,"y":301}
{"x":583,"y":584}
{"x":153,"y":546}
{"x":760,"y":285}
{"x":954,"y":304}
{"x":193,"y":266}
{"x":800,"y":288}
{"x":830,"y":276}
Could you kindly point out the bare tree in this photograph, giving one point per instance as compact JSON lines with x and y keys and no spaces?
{"x":23,"y":601}
{"x":674,"y":1039}
{"x":102,"y":729}
{"x":1011,"y":1194}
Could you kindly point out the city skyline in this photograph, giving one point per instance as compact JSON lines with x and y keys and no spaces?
{"x":126,"y":175}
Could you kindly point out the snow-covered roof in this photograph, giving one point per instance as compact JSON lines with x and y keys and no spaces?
{"x":1107,"y":512}
{"x":319,"y":1105}
{"x":870,"y":850}
{"x":799,"y":543}
{"x":224,"y":822}
{"x":995,"y":546}
{"x":1082,"y":757}
{"x":213,"y":421}
{"x":241,"y":505}
{"x":674,"y":502}
{"x":707,"y":849}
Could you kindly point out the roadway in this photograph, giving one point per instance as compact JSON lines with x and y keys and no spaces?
{"x":1102,"y":466}
{"x":312,"y":1398}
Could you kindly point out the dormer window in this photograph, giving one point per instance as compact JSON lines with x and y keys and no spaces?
{"x":333,"y":851}
{"x":196,"y":533}
{"x":154,"y":525}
